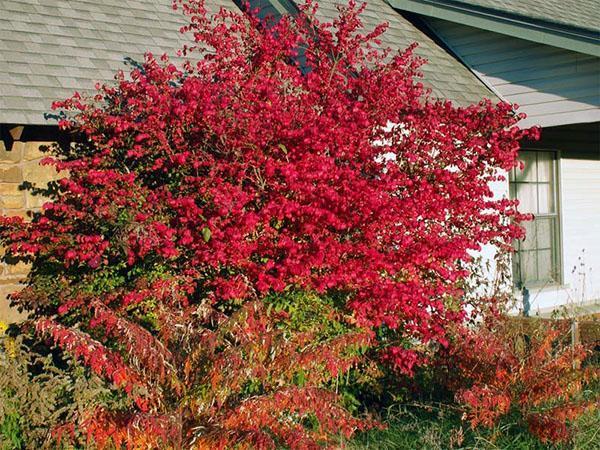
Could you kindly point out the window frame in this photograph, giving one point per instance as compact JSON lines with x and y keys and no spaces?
{"x":556,"y":252}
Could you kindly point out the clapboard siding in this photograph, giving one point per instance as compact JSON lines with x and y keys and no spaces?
{"x":506,"y":74}
{"x":559,"y":113}
{"x":549,"y":84}
{"x":553,"y":86}
{"x":580,"y":192}
{"x":496,"y":53}
{"x":530,"y":69}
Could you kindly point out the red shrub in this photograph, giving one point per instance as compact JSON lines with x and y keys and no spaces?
{"x":197,"y":190}
{"x":506,"y":365}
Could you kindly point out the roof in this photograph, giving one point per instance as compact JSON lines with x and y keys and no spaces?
{"x":583,"y":14}
{"x":569,"y":24}
{"x":50,"y":49}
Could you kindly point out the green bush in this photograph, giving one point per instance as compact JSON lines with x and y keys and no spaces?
{"x":40,"y":391}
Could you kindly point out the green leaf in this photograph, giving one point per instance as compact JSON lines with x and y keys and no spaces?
{"x":206,"y":234}
{"x":300,"y":378}
{"x":283,"y":148}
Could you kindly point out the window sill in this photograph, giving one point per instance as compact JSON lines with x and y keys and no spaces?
{"x":541,"y":288}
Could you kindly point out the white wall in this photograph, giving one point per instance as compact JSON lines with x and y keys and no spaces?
{"x":488,"y":252}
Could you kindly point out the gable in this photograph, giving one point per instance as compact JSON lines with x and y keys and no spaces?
{"x":447,"y":77}
{"x":553,"y":86}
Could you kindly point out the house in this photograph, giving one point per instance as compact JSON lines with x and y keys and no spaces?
{"x":51,"y":49}
{"x":545,"y":57}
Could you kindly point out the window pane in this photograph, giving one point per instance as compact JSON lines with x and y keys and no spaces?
{"x":516,"y":264}
{"x":546,"y":198}
{"x":528,"y":266}
{"x":529,"y":242}
{"x":527,"y":196}
{"x":545,"y":266}
{"x":544,"y":232}
{"x":528,"y":173}
{"x":545,"y":166}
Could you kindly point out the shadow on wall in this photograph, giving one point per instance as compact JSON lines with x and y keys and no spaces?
{"x":576,"y":141}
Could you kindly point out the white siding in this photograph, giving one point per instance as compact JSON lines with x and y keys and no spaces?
{"x":488,"y":252}
{"x":553,"y":86}
{"x":580,"y":189}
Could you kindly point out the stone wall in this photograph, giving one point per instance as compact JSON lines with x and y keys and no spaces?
{"x":19,"y":163}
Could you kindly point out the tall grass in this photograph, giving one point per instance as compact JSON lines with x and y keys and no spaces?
{"x":439,"y":427}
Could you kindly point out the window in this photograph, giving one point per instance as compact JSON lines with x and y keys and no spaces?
{"x":537,"y":259}
{"x":269,"y":10}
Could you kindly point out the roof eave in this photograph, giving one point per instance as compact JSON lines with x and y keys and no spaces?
{"x":571,"y":38}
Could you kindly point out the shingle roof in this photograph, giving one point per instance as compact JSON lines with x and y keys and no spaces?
{"x":568,"y":24}
{"x":575,"y":13}
{"x":51,"y":48}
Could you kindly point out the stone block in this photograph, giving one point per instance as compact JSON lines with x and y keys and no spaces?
{"x":32,"y":150}
{"x":13,"y":155}
{"x":10,"y":189}
{"x":18,"y":213}
{"x":38,"y":174}
{"x":35,"y":201}
{"x":11,"y":174}
{"x":7,"y":313}
{"x":19,"y":268}
{"x":12,"y":201}
{"x":6,"y":280}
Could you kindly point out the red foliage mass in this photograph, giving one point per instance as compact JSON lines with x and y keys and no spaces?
{"x":503,"y":367}
{"x":255,"y":169}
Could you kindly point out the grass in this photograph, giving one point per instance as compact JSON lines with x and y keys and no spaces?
{"x":426,"y":427}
